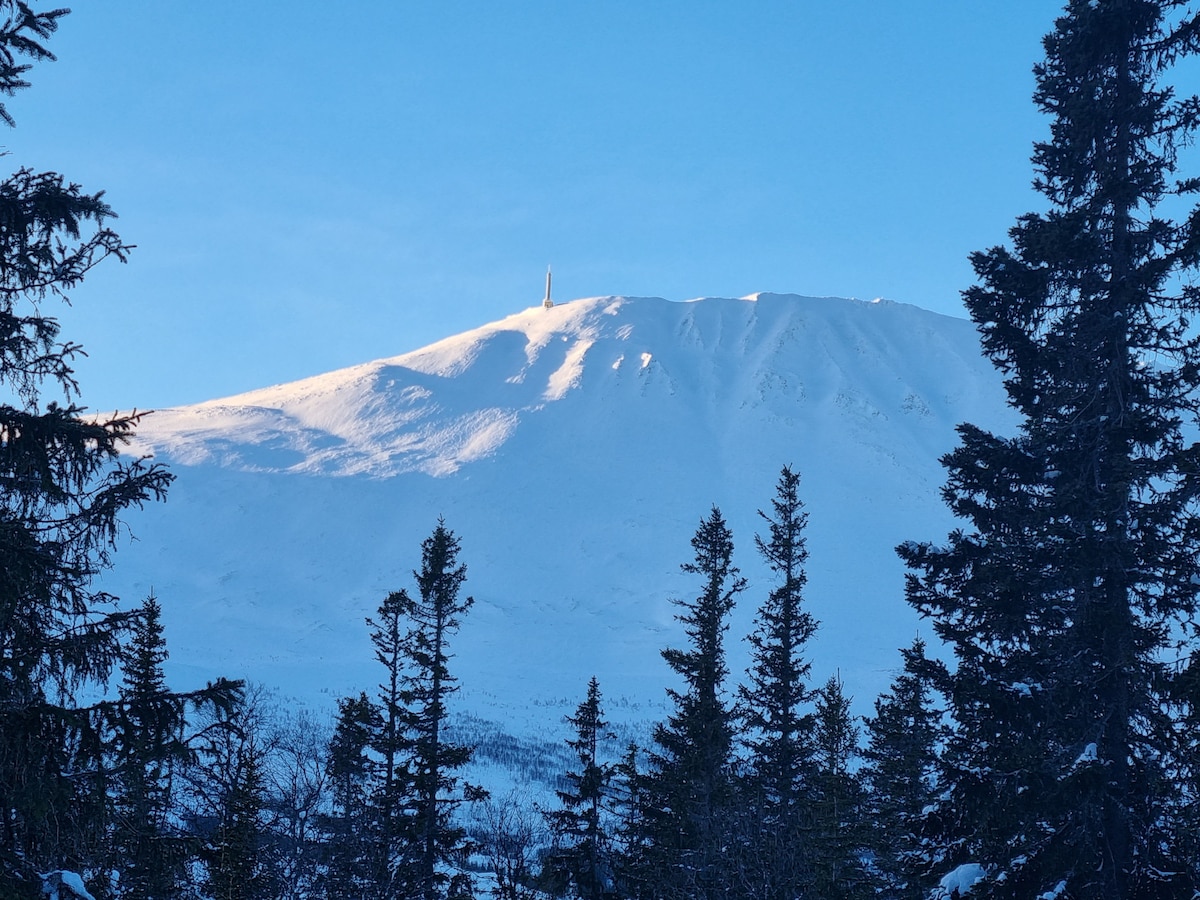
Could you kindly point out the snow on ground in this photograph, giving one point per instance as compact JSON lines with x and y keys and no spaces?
{"x":64,"y":885}
{"x":574,"y":450}
{"x":959,"y":881}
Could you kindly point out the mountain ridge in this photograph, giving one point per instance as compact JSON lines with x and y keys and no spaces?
{"x":574,"y":450}
{"x":327,"y":413}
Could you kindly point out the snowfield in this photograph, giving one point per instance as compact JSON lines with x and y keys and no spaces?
{"x":574,"y":450}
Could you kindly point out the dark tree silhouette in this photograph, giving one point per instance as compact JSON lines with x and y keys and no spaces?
{"x":687,"y":790}
{"x":63,"y":490}
{"x":581,"y":856}
{"x":1080,"y":556}
{"x":433,"y":760}
{"x":900,"y":776}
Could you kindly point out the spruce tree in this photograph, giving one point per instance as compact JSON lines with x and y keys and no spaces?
{"x":838,"y":828}
{"x":900,"y":776}
{"x":631,"y":863}
{"x":1060,"y":595}
{"x":433,"y":760}
{"x":392,"y":742}
{"x":149,"y":742}
{"x":581,"y":855}
{"x":777,"y":731}
{"x":687,"y":791}
{"x":352,"y":861}
{"x":235,"y":869}
{"x":223,"y":798}
{"x":63,"y":491}
{"x":148,"y":739}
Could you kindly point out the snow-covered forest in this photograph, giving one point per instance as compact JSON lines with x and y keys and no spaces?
{"x":1038,"y":742}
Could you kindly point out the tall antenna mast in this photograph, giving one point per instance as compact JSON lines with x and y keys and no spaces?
{"x":547,"y":303}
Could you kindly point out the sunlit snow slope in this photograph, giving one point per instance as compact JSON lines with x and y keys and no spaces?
{"x":574,"y":450}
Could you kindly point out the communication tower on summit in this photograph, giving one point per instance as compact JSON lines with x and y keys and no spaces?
{"x":547,"y":303}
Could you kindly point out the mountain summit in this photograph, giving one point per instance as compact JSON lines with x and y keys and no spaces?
{"x":574,"y":450}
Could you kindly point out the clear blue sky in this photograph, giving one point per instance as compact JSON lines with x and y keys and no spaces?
{"x":312,"y":184}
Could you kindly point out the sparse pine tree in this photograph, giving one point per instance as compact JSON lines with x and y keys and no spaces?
{"x":433,"y":760}
{"x":392,"y":743}
{"x":1061,"y":596}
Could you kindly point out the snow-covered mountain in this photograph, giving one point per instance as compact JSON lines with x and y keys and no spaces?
{"x":573,"y":450}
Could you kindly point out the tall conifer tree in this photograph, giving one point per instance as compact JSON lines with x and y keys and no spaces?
{"x":63,"y":490}
{"x":391,"y":742}
{"x":838,"y":836}
{"x":1081,"y":552}
{"x":148,"y":741}
{"x":581,"y":857}
{"x":433,"y":759}
{"x":688,"y":788}
{"x":900,"y":775}
{"x":777,"y":730}
{"x":148,"y":744}
{"x":352,"y":860}
{"x":631,"y":836}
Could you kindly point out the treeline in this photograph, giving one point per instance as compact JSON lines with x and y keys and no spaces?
{"x":1064,"y":762}
{"x":758,"y":790}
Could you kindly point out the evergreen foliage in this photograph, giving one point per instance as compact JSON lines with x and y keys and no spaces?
{"x":149,"y":742}
{"x":224,"y":798}
{"x":900,"y":773}
{"x":235,"y":870}
{"x":1062,"y":598}
{"x":433,"y":760}
{"x":688,"y":789}
{"x":392,"y":829}
{"x":581,"y":855}
{"x":777,"y":732}
{"x":838,"y":835}
{"x":391,"y":742}
{"x":631,"y":860}
{"x":63,"y":490}
{"x":352,"y":864}
{"x":1068,"y":764}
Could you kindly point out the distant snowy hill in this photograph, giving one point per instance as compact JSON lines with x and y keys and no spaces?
{"x":574,"y":450}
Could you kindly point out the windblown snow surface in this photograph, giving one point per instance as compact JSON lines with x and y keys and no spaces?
{"x":574,"y":450}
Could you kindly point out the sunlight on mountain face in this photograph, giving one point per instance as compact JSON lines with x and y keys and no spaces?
{"x":573,"y":449}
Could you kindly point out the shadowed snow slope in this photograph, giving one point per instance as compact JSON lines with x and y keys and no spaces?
{"x":574,"y":450}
